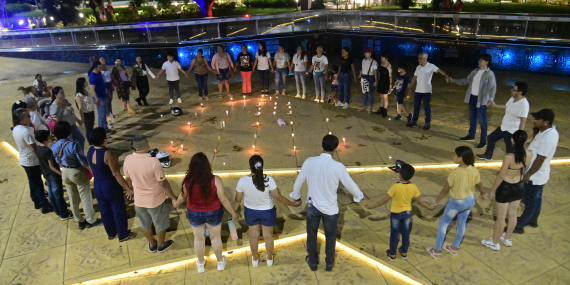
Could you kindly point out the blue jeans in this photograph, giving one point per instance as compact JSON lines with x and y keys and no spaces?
{"x":34,"y":174}
{"x":202,"y":80}
{"x":459,"y":208}
{"x":400,"y":224}
{"x":477,"y":113}
{"x":494,"y":137}
{"x":102,"y":112}
{"x":198,"y":219}
{"x":109,"y":88}
{"x":418,"y":103}
{"x":344,"y":88}
{"x":532,"y":203}
{"x":319,"y":85}
{"x":314,"y":217}
{"x":369,"y":96}
{"x":281,"y":78}
{"x":78,"y":136}
{"x":300,"y":80}
{"x":55,"y":194}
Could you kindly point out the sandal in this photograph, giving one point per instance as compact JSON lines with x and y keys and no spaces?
{"x":130,"y":236}
{"x":432,"y":252}
{"x":451,"y":250}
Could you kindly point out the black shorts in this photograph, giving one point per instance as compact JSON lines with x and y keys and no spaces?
{"x":334,"y":88}
{"x":509,"y":192}
{"x":400,"y":98}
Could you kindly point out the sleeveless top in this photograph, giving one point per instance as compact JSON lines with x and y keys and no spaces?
{"x":102,"y":174}
{"x":223,"y":61}
{"x":200,"y":66}
{"x":198,"y":204}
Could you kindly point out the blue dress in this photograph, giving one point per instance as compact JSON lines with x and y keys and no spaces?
{"x":109,"y":195}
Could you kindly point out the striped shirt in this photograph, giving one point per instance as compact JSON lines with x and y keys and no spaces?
{"x":462,"y":182}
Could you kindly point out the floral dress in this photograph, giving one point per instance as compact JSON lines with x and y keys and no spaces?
{"x":122,"y":86}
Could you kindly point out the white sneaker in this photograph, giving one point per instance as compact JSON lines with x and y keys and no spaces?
{"x":298,"y":96}
{"x":201,"y":268}
{"x":303,"y":97}
{"x":489,"y":243}
{"x":179,"y":100}
{"x":345,"y":106}
{"x":507,"y":242}
{"x":222,"y":264}
{"x":171,"y":101}
{"x":322,"y":101}
{"x":338,"y":104}
{"x":255,"y":262}
{"x":270,"y":262}
{"x":109,"y":125}
{"x":317,"y":100}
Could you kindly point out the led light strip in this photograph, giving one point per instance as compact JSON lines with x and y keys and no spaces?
{"x":156,"y":269}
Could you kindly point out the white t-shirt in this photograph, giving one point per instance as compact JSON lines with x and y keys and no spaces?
{"x":543,"y":144}
{"x":263,"y":61}
{"x":171,"y":70}
{"x":253,"y":198}
{"x":424,"y":74}
{"x":24,"y":137}
{"x":38,"y":121}
{"x":513,"y":114}
{"x":476,"y":82}
{"x":106,"y":75}
{"x":299,"y":63}
{"x":366,"y":69}
{"x":319,"y":63}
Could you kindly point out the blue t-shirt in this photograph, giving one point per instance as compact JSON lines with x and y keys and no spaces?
{"x":97,"y":80}
{"x":402,"y":82}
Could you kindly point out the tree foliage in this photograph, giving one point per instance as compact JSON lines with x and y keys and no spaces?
{"x":62,"y":10}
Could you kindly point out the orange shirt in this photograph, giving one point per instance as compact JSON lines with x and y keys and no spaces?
{"x":145,"y":172}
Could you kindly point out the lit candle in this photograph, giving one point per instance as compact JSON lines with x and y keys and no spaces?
{"x":288,"y":103}
{"x":224,"y":124}
{"x":227,"y":113}
{"x":254,"y":135}
{"x":221,"y":126}
{"x":215,"y":151}
{"x":202,"y":105}
{"x":291,"y":122}
{"x":161,"y":115}
{"x":273,"y":112}
{"x":330,"y":133}
{"x":327,"y":120}
{"x":269,"y":98}
{"x":275,"y":103}
{"x":289,"y":107}
{"x":171,"y":143}
{"x":294,"y":147}
{"x":275,"y":107}
{"x":258,"y":123}
{"x":196,"y":115}
{"x":292,"y":134}
{"x":231,"y":99}
{"x":254,"y":147}
{"x":181,"y":147}
{"x":344,"y":141}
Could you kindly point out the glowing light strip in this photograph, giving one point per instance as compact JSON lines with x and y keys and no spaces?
{"x":200,"y":34}
{"x":153,"y":269}
{"x":397,"y":27}
{"x":237,"y":31}
{"x":11,"y":149}
{"x":288,"y":23}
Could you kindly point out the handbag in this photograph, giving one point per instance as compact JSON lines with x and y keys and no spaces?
{"x":50,"y":123}
{"x":364,"y":81}
{"x":232,"y":71}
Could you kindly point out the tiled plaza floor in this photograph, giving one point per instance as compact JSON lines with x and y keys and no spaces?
{"x":41,"y":249}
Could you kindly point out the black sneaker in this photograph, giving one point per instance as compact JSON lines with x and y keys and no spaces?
{"x":391,"y":257}
{"x":312,"y":267}
{"x":399,"y":117}
{"x":518,"y":230}
{"x":427,"y":126}
{"x":330,"y":267}
{"x":111,"y":238}
{"x":379,"y":112}
{"x":167,"y":244}
{"x":66,"y":216}
{"x":81,"y":225}
{"x":481,"y":145}
{"x":409,"y":117}
{"x":153,"y":248}
{"x":467,"y":139}
{"x":533,"y":225}
{"x":138,"y":100}
{"x":37,"y":206}
{"x":411,"y":124}
{"x":404,"y":255}
{"x":483,"y":156}
{"x":47,"y":209}
{"x":94,"y":224}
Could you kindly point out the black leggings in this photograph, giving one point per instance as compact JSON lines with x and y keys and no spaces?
{"x":142,"y":86}
{"x":174,"y":86}
{"x":89,"y":122}
{"x":264,"y":79}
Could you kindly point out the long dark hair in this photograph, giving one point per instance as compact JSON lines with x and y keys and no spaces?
{"x":520,"y":137}
{"x":259,"y":179}
{"x":263,"y":50}
{"x":80,"y":86}
{"x":143,"y":65}
{"x":199,"y":173}
{"x":466,"y":153}
{"x":54,"y":93}
{"x":303,"y":53}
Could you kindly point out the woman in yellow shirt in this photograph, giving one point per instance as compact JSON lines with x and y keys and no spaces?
{"x":460,"y":185}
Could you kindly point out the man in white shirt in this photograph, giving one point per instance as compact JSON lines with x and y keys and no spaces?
{"x":516,"y":112}
{"x":543,"y":147}
{"x":172,"y":67}
{"x":422,"y":77}
{"x":480,"y":94}
{"x":323,"y":175}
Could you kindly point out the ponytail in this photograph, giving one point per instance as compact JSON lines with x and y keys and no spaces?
{"x":519,"y":138}
{"x":259,"y":179}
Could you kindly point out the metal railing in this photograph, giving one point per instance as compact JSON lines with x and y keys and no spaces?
{"x":462,"y":25}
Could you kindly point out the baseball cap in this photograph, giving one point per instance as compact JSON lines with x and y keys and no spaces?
{"x":368,"y":49}
{"x":544,"y":114}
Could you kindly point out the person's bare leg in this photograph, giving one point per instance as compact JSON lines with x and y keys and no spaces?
{"x":199,"y":242}
{"x":254,"y":241}
{"x":512,"y":212}
{"x":404,"y":109}
{"x":385,"y":101}
{"x":149,"y":237}
{"x":161,"y":237}
{"x":268,"y":237}
{"x":227,"y":86}
{"x":500,"y":223}
{"x":216,"y":239}
{"x":398,"y":109}
{"x":221,"y":87}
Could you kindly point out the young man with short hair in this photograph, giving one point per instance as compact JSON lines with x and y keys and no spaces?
{"x":401,"y":85}
{"x":98,"y":91}
{"x":171,"y":67}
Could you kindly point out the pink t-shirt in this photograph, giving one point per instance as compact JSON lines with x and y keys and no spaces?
{"x":145,"y":172}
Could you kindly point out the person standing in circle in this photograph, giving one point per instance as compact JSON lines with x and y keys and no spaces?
{"x":346,"y":66}
{"x":299,"y":67}
{"x":281,"y":62}
{"x":258,"y":191}
{"x":509,"y":187}
{"x":263,"y":63}
{"x":172,"y":67}
{"x":97,"y":85}
{"x":384,"y":84}
{"x":123,"y":84}
{"x":140,"y":79}
{"x":201,"y":67}
{"x":222,"y":63}
{"x":109,"y":88}
{"x":245,"y":62}
{"x":319,"y":68}
{"x":368,"y":77}
{"x":85,"y":104}
{"x":61,"y":110}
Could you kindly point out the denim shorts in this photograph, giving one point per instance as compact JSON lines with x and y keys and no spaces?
{"x":198,"y":219}
{"x":264,"y":217}
{"x":224,"y":74}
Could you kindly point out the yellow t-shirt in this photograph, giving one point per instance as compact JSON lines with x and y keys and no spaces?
{"x":402,"y":195}
{"x":462,"y":182}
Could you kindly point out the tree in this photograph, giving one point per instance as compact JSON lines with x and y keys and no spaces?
{"x":62,"y":10}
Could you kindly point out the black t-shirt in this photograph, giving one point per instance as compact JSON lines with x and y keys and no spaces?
{"x":245,"y":61}
{"x":402,"y":82}
{"x":45,"y":155}
{"x":346,"y":65}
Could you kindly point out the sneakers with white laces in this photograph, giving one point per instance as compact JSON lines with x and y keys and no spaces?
{"x":171,"y":101}
{"x":345,"y":106}
{"x":338,"y":104}
{"x":179,"y":100}
{"x":222,"y":264}
{"x":489,"y":243}
{"x":269,"y":262}
{"x":201,"y":268}
{"x":506,"y":242}
{"x":255,"y":262}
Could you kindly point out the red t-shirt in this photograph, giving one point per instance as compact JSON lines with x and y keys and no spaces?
{"x":458,"y":7}
{"x":198,"y":204}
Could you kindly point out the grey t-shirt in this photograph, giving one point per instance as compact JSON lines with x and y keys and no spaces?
{"x":281,"y":59}
{"x":64,"y":114}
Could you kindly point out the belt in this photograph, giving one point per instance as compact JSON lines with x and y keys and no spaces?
{"x":70,"y":166}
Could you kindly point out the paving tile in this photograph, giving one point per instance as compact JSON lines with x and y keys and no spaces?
{"x":39,"y":267}
{"x":7,"y":216}
{"x":94,"y":255}
{"x":558,"y":275}
{"x":36,"y":237}
{"x":235,"y":271}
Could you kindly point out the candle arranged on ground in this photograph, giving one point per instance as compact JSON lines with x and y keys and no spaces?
{"x":273,"y":112}
{"x":344,"y":141}
{"x":330,"y":133}
{"x":291,"y":122}
{"x":254,"y":147}
{"x":227,"y":113}
{"x":255,"y":136}
{"x":288,"y":103}
{"x":294,"y":147}
{"x":327,"y":120}
{"x":196,"y":115}
{"x":202,"y":105}
{"x":215,"y":151}
{"x":181,"y":147}
{"x":292,"y":134}
{"x":221,"y":126}
{"x":224,"y":124}
{"x":171,"y":143}
{"x":269,"y":98}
